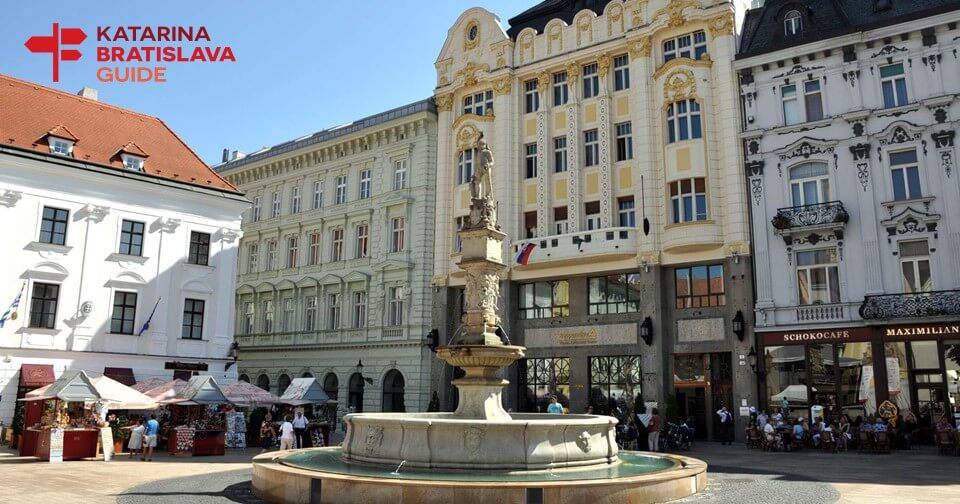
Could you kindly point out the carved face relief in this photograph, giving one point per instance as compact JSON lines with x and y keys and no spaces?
{"x":583,"y":441}
{"x":473,"y":441}
{"x":373,"y":439}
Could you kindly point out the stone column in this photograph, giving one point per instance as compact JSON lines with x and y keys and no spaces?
{"x":573,"y":142}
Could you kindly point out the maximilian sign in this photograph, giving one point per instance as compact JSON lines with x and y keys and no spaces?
{"x":928,"y":330}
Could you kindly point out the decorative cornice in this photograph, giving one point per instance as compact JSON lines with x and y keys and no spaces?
{"x":444,"y":102}
{"x":665,"y":68}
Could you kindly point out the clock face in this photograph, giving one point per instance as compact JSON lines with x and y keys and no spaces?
{"x":472,"y":34}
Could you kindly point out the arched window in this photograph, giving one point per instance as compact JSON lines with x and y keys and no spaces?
{"x":263,"y":381}
{"x":683,"y":121}
{"x":355,"y":397}
{"x":465,"y":166}
{"x":331,"y":384}
{"x":243,"y":378}
{"x":282,"y":383}
{"x":393,"y":385}
{"x":307,"y":374}
{"x":793,"y":23}
{"x":809,"y":184}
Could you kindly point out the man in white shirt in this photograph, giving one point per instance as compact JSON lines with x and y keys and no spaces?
{"x":286,"y":434}
{"x":300,"y":427}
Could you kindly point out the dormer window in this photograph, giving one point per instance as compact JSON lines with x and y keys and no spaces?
{"x":132,"y":157}
{"x":132,"y":163}
{"x":60,"y":146}
{"x":793,"y":24}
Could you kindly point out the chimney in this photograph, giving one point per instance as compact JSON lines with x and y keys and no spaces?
{"x":226,"y":156}
{"x":88,"y":92}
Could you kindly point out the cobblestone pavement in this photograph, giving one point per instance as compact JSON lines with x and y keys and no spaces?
{"x":736,"y":475}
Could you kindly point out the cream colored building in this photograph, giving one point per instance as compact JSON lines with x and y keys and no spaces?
{"x":615,"y":134}
{"x":335,"y":261}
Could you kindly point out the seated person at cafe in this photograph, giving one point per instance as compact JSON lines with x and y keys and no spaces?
{"x":777,"y":418}
{"x":762,"y":419}
{"x":770,"y":434}
{"x":797,"y":433}
{"x":866,"y":426}
{"x":880,"y":426}
{"x":943,"y":425}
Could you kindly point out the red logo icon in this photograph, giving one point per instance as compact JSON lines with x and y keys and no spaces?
{"x":51,"y":44}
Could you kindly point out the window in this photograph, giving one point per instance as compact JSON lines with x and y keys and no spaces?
{"x":365,"y":183}
{"x":592,"y":210}
{"x":248,"y":313}
{"x":271,"y":255}
{"x":199,"y":248}
{"x":812,"y":100}
{"x":359,"y":309}
{"x":792,"y":24}
{"x":560,"y":225}
{"x":276,"y":205}
{"x":812,"y":103}
{"x":253,"y":250}
{"x":683,"y":121}
{"x":591,"y":81}
{"x":627,"y":213}
{"x":591,"y":148}
{"x":700,"y":286}
{"x":61,"y":147}
{"x":545,"y":377}
{"x":318,"y":194}
{"x":286,"y":322}
{"x":256,"y":209}
{"x":396,"y":244}
{"x":295,"y":200}
{"x":314,"y":248}
{"x":465,"y":166}
{"x":791,"y":108}
{"x":399,"y":174}
{"x":530,"y":224}
{"x":692,"y":45}
{"x":894,"y":85}
{"x":531,"y":96}
{"x":132,"y":163}
{"x":192,"y":319}
{"x":393,"y":389}
{"x":331,"y":384}
{"x":818,"y":279}
{"x":43,"y":305}
{"x":621,"y":72}
{"x":608,"y":383}
{"x":333,"y":311}
{"x":560,"y":154}
{"x":624,"y":141}
{"x":689,"y":200}
{"x":268,"y":316}
{"x":341,"y":194}
{"x":310,"y":313}
{"x":293,"y":251}
{"x":336,"y":251}
{"x":809,"y":184}
{"x":131,"y":238}
{"x":531,"y":160}
{"x":53,"y":226}
{"x":480,"y":103}
{"x":363,"y":238}
{"x":915,"y":265}
{"x":614,"y":294}
{"x":561,"y":93}
{"x":906,"y":175}
{"x":458,"y":224}
{"x":544,"y":299}
{"x":395,"y":309}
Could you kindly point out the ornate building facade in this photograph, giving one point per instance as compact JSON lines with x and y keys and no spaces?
{"x":614,"y":125}
{"x":335,"y":264}
{"x":850,"y":120}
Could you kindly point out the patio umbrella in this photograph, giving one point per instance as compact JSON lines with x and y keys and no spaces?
{"x":245,"y":394}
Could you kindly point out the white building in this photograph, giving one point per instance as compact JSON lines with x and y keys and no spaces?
{"x":111,"y":222}
{"x":850,"y":120}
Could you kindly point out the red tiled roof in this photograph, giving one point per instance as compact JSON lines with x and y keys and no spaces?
{"x":30,"y":112}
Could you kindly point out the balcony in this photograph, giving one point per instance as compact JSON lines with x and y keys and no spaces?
{"x":807,"y":314}
{"x":829,"y":216}
{"x":924,"y":304}
{"x":607,"y":244}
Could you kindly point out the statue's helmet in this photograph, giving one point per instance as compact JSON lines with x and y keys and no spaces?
{"x":481,"y":144}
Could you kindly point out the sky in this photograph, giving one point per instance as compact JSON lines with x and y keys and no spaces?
{"x":302,"y":66}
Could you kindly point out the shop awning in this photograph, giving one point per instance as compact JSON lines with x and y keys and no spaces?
{"x":36,"y":375}
{"x":304,"y":391}
{"x":123,"y":375}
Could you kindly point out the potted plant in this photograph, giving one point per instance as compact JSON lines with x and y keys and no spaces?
{"x":17,"y":425}
{"x":780,"y":221}
{"x":118,"y":426}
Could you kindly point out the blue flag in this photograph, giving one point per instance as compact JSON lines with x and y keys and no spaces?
{"x":146,"y":325}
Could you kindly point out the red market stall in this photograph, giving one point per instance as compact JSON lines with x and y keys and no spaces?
{"x":67,"y":428}
{"x":196,"y":421}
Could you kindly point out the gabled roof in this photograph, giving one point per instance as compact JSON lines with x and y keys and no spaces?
{"x":30,"y":112}
{"x":304,"y":391}
{"x":539,"y":15}
{"x":132,"y":148}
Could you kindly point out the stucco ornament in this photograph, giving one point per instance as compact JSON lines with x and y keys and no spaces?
{"x":721,"y":25}
{"x":583,"y":441}
{"x":680,"y":85}
{"x":503,"y":85}
{"x":673,"y":12}
{"x":473,"y":441}
{"x":445,"y":102}
{"x":640,"y":48}
{"x":469,"y":73}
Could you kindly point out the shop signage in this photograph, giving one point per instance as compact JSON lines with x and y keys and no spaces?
{"x":818,"y":336}
{"x":106,"y":442}
{"x":924,"y":330}
{"x":185,"y":366}
{"x":609,"y":334}
{"x":56,"y":445}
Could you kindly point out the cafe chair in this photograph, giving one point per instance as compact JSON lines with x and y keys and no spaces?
{"x":945,"y":442}
{"x":882,"y":442}
{"x":828,"y":442}
{"x":754,"y":439}
{"x":864,"y":443}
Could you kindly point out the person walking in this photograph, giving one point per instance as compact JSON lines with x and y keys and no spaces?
{"x":135,"y":444}
{"x":554,"y":408}
{"x":151,"y":432}
{"x":300,"y":428}
{"x":286,"y":434}
{"x":653,"y":431}
{"x":726,"y":426}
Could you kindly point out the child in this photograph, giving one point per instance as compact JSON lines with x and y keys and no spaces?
{"x":136,"y":438}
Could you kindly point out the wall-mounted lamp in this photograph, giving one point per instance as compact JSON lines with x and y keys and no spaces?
{"x":645,"y":265}
{"x":233,"y":353}
{"x":754,"y":365}
{"x":736,"y":257}
{"x":738,"y":325}
{"x":646,"y":331}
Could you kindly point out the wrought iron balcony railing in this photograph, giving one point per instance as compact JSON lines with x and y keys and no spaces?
{"x":922,"y":304}
{"x":820,"y":214}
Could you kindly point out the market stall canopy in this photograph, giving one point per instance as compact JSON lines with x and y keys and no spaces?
{"x":120,"y":396}
{"x":72,"y":385}
{"x":304,"y":391}
{"x":199,"y":390}
{"x":245,"y":394}
{"x":793,"y":393}
{"x":149,"y":384}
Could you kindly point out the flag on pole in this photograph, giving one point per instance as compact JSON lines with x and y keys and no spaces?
{"x":524,"y":256}
{"x":11,"y":313}
{"x":146,"y":325}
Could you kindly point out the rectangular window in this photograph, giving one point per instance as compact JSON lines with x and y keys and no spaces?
{"x":397,"y":241}
{"x":614,"y":294}
{"x":560,"y":225}
{"x":627,"y":213}
{"x":359,"y":309}
{"x":906,"y":175}
{"x":544,"y":378}
{"x":43,"y":305}
{"x":310,"y":313}
{"x":314,"y":248}
{"x":271,"y":256}
{"x":256,"y":209}
{"x":544,"y":299}
{"x":591,"y":81}
{"x":133,"y":163}
{"x":812,"y":100}
{"x":268,"y":316}
{"x":592,"y":211}
{"x":591,"y":148}
{"x":61,"y":147}
{"x":530,"y":159}
{"x":317,"y":194}
{"x":894,"y":85}
{"x":276,"y":205}
{"x":341,"y":194}
{"x":683,"y":121}
{"x":53,"y":226}
{"x":791,"y":107}
{"x":287,"y":320}
{"x":530,"y":224}
{"x":561,"y":94}
{"x":193,"y":319}
{"x":457,"y":226}
{"x":253,"y":252}
{"x":336,"y":251}
{"x":692,"y":45}
{"x":465,"y":166}
{"x":818,"y":278}
{"x":199,"y":248}
{"x":399,"y":174}
{"x":333,"y":311}
{"x":624,"y":141}
{"x":480,"y":103}
{"x":363,"y":239}
{"x":700,"y":286}
{"x":688,"y":198}
{"x":560,"y":154}
{"x":365,"y":183}
{"x":395,"y":310}
{"x":248,"y":314}
{"x":293,"y":251}
{"x":621,"y":72}
{"x":295,"y":200}
{"x":915,"y":266}
{"x":131,"y":238}
{"x":531,"y":96}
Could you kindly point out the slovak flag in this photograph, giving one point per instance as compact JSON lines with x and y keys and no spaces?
{"x":524,"y":256}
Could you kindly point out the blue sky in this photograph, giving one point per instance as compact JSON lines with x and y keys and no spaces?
{"x":301,"y":65}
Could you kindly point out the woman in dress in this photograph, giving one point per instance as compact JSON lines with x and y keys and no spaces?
{"x":136,"y":438}
{"x":268,"y":435}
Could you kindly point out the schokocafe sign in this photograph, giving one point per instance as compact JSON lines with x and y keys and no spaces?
{"x":802,"y":336}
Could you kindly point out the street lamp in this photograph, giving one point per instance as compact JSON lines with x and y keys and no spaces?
{"x":752,"y":359}
{"x":738,"y":325}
